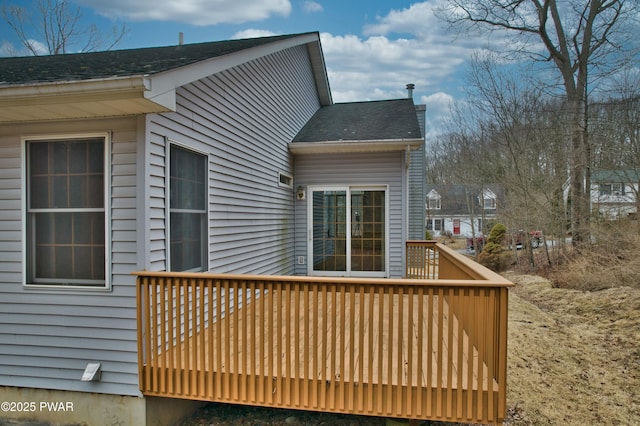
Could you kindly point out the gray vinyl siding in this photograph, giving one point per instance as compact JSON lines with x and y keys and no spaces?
{"x":156,"y":192}
{"x":372,"y":169}
{"x":10,"y":212}
{"x":243,"y":119}
{"x":48,"y":336}
{"x":417,"y":194}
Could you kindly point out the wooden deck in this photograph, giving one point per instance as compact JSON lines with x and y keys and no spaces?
{"x":254,"y":328}
{"x":418,"y":349}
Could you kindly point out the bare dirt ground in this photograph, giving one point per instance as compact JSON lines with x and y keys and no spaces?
{"x":574,"y":359}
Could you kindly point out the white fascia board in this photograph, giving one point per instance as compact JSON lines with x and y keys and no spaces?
{"x":164,"y":84}
{"x":60,"y":91}
{"x":320,"y":73}
{"x":331,"y":147}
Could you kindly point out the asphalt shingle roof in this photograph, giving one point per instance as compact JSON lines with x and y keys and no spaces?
{"x":118,"y":63}
{"x":456,"y":197}
{"x":362,"y":121}
{"x":615,"y":176}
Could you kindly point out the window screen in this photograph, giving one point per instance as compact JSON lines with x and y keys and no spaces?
{"x":66,"y":212}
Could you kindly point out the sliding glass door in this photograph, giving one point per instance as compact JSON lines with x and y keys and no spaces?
{"x":348,"y":231}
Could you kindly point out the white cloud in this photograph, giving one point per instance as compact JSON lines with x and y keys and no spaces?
{"x":438,"y":112}
{"x":440,"y":100}
{"x":39,"y":47}
{"x":418,"y":19}
{"x":378,"y":67}
{"x":195,"y":12}
{"x":7,"y":49}
{"x":252,"y":33}
{"x":312,"y":6}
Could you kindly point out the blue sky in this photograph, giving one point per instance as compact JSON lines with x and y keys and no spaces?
{"x":372,"y":48}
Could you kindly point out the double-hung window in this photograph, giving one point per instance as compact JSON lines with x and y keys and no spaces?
{"x":66,"y":214}
{"x":434,"y":200}
{"x":489,"y":203}
{"x":611,"y":189}
{"x":435,"y":203}
{"x":188,"y":209}
{"x":488,"y":199}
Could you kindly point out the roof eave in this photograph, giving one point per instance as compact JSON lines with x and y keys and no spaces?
{"x":74,"y":86}
{"x":114,"y":96}
{"x":338,"y":147}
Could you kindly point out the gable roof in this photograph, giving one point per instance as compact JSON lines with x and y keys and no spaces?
{"x":360,"y":126}
{"x":119,"y":82}
{"x":455,"y":198}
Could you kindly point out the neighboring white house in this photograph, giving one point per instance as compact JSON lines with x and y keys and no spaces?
{"x":225,"y":157}
{"x":614,"y":193}
{"x":461,"y":210}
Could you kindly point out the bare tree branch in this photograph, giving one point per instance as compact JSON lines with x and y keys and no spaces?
{"x":56,"y":25}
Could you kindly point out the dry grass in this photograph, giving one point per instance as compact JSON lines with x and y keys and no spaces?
{"x":613,"y":260}
{"x":574,"y":357}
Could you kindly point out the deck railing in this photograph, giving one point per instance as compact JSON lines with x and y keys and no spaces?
{"x":408,"y":348}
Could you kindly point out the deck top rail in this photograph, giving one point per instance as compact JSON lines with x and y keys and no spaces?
{"x":411,"y":348}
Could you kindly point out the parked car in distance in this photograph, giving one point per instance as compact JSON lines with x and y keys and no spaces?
{"x":535,"y":238}
{"x":517,"y":238}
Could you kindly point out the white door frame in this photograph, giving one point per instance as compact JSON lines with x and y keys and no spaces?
{"x":347,"y":189}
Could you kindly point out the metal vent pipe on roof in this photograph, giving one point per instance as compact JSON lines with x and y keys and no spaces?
{"x":180,"y":38}
{"x":410,"y":88}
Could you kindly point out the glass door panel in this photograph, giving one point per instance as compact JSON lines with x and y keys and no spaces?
{"x":367,"y":230}
{"x":329,"y":224}
{"x":348,"y":231}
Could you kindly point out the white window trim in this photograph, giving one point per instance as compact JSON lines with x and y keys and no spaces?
{"x":435,"y":196}
{"x":437,"y":200}
{"x":486,"y":195}
{"x":616,"y":189}
{"x":348,"y":272}
{"x":492,"y":203}
{"x":167,"y":213}
{"x":26,"y":245}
